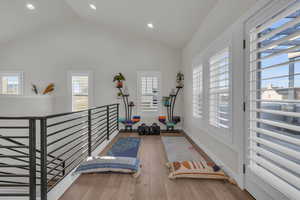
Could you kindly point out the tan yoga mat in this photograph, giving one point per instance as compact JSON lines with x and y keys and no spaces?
{"x":180,"y":149}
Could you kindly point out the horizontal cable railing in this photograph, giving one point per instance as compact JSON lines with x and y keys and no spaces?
{"x":34,"y":163}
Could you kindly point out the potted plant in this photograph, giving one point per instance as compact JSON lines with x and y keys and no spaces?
{"x":119,"y":78}
{"x":180,"y":79}
{"x":166,"y":101}
{"x":119,"y":95}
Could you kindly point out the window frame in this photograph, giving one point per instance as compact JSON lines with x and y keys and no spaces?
{"x":155,"y":73}
{"x":222,"y":134}
{"x":20,"y":75}
{"x":219,"y":90}
{"x":196,"y":66}
{"x":258,"y":176}
{"x":90,"y":87}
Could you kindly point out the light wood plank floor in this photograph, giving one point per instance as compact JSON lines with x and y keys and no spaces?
{"x":153,"y":183}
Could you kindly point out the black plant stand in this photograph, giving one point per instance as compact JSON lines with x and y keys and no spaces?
{"x":128,"y":123}
{"x":171,"y":120}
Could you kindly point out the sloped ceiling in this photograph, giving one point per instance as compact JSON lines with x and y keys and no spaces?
{"x":16,"y":20}
{"x":175,"y":21}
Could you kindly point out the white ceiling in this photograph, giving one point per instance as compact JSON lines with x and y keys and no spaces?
{"x":16,"y":20}
{"x":175,"y":21}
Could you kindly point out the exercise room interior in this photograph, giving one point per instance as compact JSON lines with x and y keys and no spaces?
{"x":155,"y":100}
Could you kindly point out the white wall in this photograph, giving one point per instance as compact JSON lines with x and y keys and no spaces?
{"x":224,"y":25}
{"x":48,"y":54}
{"x":26,"y":105}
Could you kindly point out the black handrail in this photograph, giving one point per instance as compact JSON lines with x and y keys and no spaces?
{"x":64,"y":143}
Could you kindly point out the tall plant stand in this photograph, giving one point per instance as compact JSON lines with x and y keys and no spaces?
{"x":128,"y":121}
{"x":171,"y":120}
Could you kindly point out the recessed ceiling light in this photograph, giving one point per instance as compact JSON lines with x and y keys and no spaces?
{"x":30,"y":6}
{"x":92,"y":6}
{"x":150,"y":25}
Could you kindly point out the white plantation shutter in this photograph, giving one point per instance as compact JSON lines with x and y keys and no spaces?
{"x":80,"y":92}
{"x":149,"y":91}
{"x":198,"y":91}
{"x":11,"y":83}
{"x":275,"y":101}
{"x":219,"y":101}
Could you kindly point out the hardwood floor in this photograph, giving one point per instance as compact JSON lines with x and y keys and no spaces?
{"x":153,"y":183}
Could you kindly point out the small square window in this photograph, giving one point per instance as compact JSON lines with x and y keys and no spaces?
{"x":11,"y":83}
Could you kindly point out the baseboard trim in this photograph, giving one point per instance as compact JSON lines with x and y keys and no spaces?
{"x":215,"y":159}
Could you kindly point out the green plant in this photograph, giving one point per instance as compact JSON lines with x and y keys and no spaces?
{"x":180,"y":76}
{"x":180,"y":79}
{"x":120,"y":94}
{"x":166,"y":101}
{"x":119,"y":77}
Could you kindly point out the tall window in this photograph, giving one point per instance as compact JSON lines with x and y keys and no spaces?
{"x":275,"y":101}
{"x":219,"y":102}
{"x":11,"y":83}
{"x":198,"y":91}
{"x":149,"y":91}
{"x":80,"y":91}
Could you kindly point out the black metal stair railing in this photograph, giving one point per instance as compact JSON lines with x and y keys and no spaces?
{"x":18,"y":159}
{"x":33,"y":163}
{"x":23,"y":155}
{"x":72,"y":137}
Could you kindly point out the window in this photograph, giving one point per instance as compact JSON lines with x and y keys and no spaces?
{"x":149,"y":91}
{"x":197,"y":91}
{"x":219,"y":100}
{"x":80,"y":91}
{"x":11,"y":83}
{"x":275,"y":101}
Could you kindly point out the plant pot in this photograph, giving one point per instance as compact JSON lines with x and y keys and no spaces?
{"x":119,"y":84}
{"x":180,"y":84}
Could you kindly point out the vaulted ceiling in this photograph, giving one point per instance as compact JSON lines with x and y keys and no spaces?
{"x":16,"y":20}
{"x":175,"y":21}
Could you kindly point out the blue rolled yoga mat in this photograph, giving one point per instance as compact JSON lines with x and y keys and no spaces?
{"x":125,"y":147}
